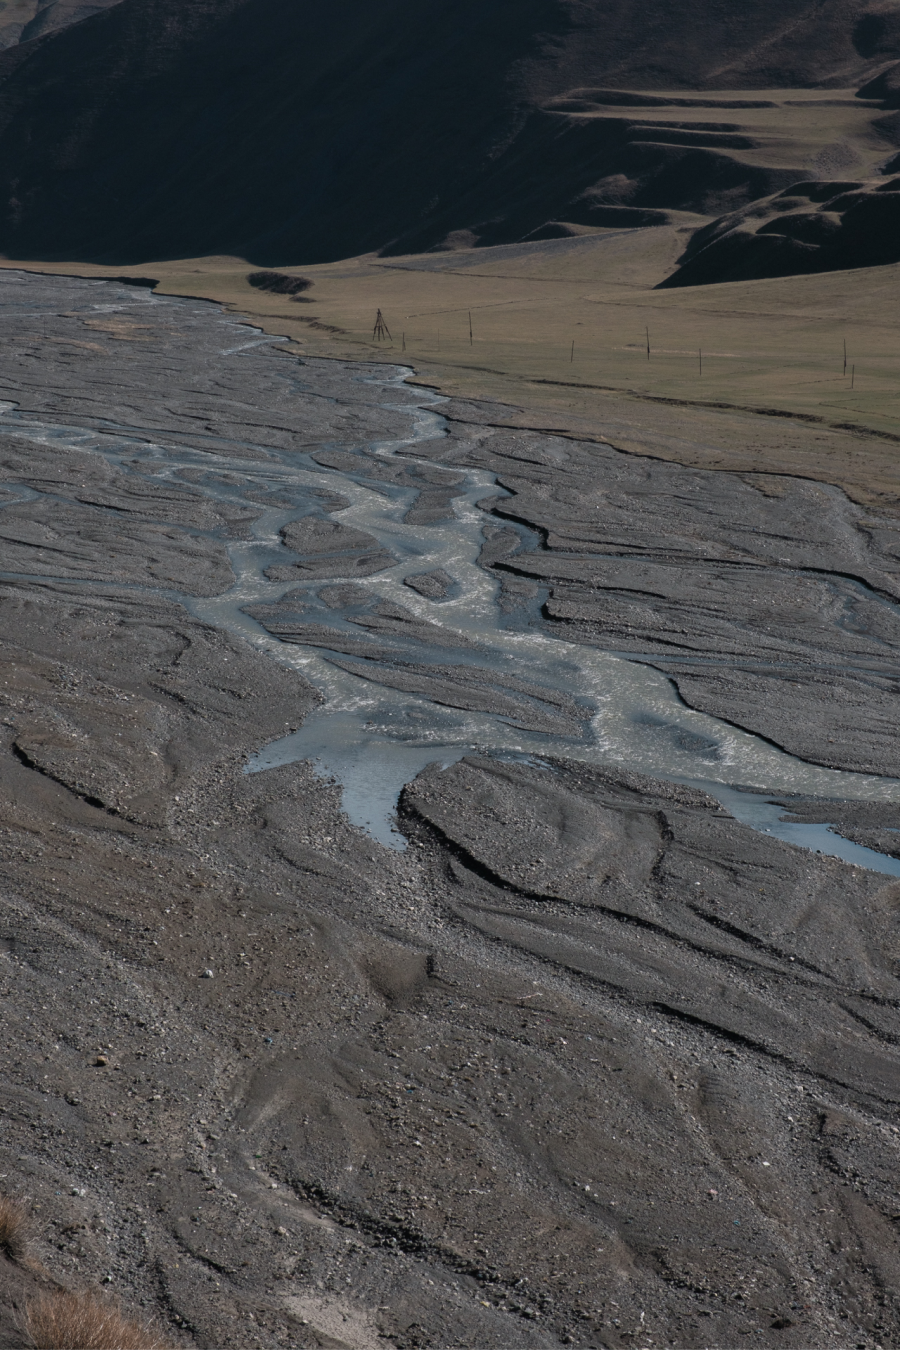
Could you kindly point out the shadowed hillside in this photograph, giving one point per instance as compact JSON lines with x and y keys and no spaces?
{"x":601,"y":158}
{"x":812,"y":227}
{"x":174,"y":127}
{"x":22,"y":20}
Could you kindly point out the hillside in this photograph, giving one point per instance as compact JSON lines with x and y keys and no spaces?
{"x":23,"y":20}
{"x":188,"y":127}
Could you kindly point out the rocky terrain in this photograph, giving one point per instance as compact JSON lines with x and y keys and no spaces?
{"x":771,"y":601}
{"x":589,"y":1062}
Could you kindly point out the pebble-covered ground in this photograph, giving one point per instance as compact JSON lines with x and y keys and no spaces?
{"x":589,"y":1063}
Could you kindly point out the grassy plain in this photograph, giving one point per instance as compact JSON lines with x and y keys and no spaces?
{"x":772,"y":394}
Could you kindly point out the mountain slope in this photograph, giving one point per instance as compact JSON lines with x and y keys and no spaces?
{"x":22,"y":20}
{"x":176,"y":127}
{"x":812,"y":227}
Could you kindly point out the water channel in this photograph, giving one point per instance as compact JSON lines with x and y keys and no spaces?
{"x":520,"y":692}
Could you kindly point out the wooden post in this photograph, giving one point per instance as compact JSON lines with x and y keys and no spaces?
{"x":648,"y":344}
{"x":845,"y":356}
{"x":853,"y":376}
{"x":404,"y":342}
{"x":470,"y":328}
{"x":572,"y":352}
{"x":700,"y":355}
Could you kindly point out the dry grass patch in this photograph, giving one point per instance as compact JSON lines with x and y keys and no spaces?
{"x":67,"y":1321}
{"x":13,"y":1229}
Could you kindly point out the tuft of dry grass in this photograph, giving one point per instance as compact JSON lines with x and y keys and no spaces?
{"x":13,"y":1229}
{"x":67,"y":1321}
{"x":279,"y":283}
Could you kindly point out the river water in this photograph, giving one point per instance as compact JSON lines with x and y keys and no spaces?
{"x":378,"y":725}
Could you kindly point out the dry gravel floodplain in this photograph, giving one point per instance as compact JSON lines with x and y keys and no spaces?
{"x":588,"y":1062}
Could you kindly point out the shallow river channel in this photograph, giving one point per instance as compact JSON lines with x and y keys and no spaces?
{"x":422,"y":620}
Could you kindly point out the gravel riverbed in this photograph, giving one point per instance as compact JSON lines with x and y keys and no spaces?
{"x":570,"y":1056}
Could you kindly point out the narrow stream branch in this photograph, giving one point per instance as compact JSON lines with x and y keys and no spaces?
{"x":388,"y":613}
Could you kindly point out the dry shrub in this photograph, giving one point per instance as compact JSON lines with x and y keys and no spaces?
{"x":68,"y":1321}
{"x":279,"y":283}
{"x":13,"y":1229}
